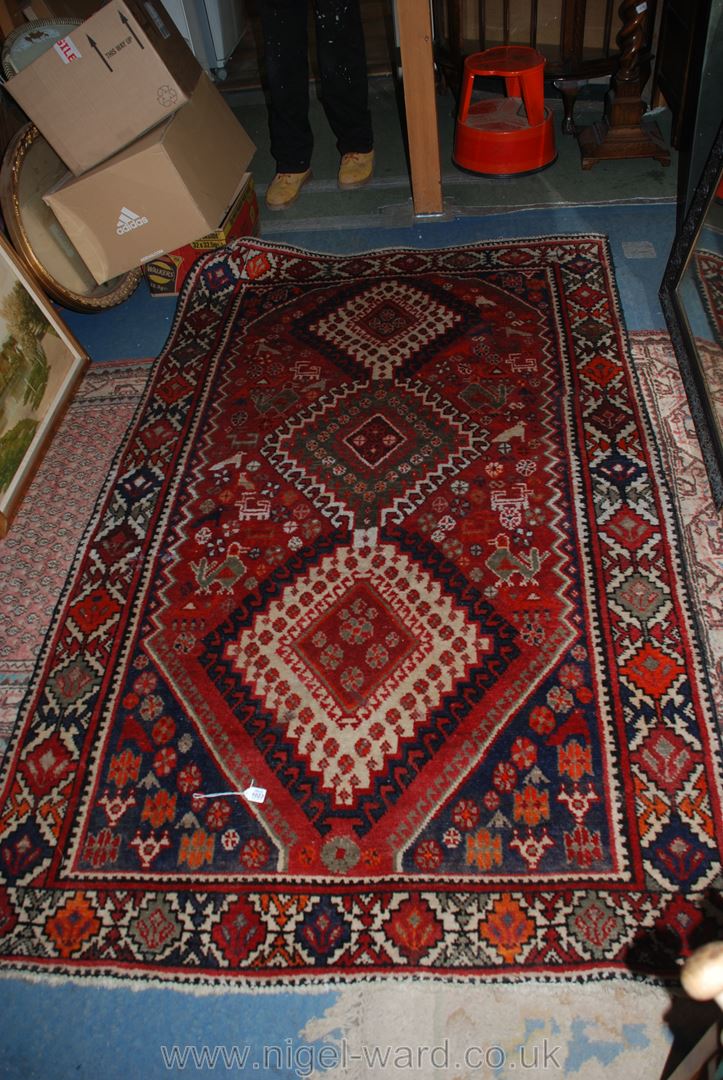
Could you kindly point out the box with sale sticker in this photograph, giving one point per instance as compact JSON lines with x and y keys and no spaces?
{"x":166,"y":274}
{"x":120,"y":73}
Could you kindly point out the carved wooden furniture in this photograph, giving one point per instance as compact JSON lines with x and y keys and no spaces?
{"x":623,"y":132}
{"x":578,"y":38}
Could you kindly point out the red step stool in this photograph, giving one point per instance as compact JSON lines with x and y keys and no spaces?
{"x":505,"y":136}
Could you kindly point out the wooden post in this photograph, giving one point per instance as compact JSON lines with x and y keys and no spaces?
{"x":420,"y":104}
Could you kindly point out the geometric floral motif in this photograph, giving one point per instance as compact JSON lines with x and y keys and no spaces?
{"x":366,"y":452}
{"x":387,"y":544}
{"x":595,"y":925}
{"x":667,"y":759}
{"x":353,"y":656}
{"x":384,"y":325}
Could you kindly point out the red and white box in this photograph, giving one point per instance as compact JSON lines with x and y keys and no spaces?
{"x":166,"y":273}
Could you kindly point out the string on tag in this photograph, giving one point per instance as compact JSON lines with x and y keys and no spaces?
{"x":251,"y":794}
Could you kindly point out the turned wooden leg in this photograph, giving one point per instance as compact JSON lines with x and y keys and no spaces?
{"x":623,"y":133}
{"x":569,"y":89}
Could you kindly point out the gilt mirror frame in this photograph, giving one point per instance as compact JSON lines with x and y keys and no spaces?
{"x":703,"y":410}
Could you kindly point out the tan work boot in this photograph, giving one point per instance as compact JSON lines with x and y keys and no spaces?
{"x":356,"y":170}
{"x":284,"y":189}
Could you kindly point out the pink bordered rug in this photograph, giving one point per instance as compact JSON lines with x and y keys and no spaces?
{"x":38,"y":552}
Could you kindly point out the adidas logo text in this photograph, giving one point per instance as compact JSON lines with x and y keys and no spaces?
{"x":127,"y":221}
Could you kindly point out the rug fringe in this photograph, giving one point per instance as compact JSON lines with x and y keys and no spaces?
{"x":324,"y":983}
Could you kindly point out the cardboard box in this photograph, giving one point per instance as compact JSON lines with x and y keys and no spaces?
{"x":166,"y":274}
{"x":121,"y":72}
{"x":172,"y":186}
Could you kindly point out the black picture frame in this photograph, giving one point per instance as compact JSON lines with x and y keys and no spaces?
{"x":707,"y":421}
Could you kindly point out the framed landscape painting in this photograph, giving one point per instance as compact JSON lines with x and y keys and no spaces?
{"x":40,"y":364}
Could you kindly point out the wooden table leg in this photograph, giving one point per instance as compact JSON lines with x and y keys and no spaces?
{"x":420,"y":104}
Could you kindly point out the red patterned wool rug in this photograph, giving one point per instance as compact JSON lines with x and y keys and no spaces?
{"x":389,"y":551}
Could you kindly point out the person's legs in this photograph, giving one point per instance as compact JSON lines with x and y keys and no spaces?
{"x":284,"y":29}
{"x":343,"y":71}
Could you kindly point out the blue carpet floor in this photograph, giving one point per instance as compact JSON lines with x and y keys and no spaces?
{"x":58,"y":1032}
{"x":89,"y":1033}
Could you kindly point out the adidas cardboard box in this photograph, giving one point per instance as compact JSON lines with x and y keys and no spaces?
{"x":118,"y":74}
{"x":172,"y":186}
{"x":165,"y":275}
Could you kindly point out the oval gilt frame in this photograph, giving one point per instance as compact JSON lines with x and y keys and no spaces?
{"x":18,"y":207}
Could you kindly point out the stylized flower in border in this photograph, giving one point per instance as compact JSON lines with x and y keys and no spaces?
{"x":73,"y":924}
{"x":507,"y":928}
{"x":414,"y":928}
{"x":239,"y":933}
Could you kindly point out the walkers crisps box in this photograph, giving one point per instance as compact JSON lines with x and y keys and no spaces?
{"x":115,"y":76}
{"x":165,"y":275}
{"x":171,"y":186}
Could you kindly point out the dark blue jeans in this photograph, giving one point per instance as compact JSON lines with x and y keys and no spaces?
{"x":341,"y":58}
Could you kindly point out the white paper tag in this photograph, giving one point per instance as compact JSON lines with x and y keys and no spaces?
{"x":254,"y":794}
{"x":641,"y":8}
{"x":66,"y":50}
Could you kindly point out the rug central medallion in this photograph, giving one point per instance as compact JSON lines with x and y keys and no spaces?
{"x":354,"y":646}
{"x":368,"y":644}
{"x":369,"y":451}
{"x":375,"y":440}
